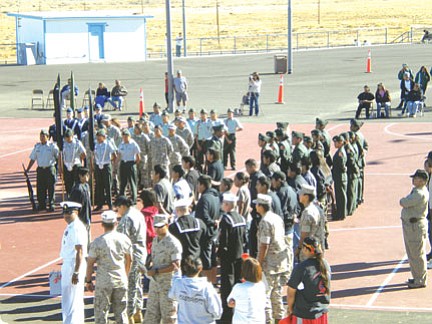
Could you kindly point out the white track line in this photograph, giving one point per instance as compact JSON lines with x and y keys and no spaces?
{"x":365,"y":228}
{"x":379,"y":174}
{"x":16,"y":152}
{"x":30,"y":272}
{"x":37,"y":296}
{"x":386,"y":130}
{"x":386,"y":281}
{"x":395,"y":308}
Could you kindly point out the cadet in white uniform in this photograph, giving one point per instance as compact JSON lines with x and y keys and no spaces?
{"x":73,"y":251}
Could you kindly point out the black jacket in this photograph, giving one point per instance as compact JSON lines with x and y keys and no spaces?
{"x":208,"y":210}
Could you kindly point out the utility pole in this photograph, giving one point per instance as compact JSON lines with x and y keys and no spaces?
{"x":217,"y":21}
{"x":290,"y":54}
{"x":184,"y":29}
{"x":170,"y":64}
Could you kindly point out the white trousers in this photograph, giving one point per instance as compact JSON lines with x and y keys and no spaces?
{"x":72,"y":295}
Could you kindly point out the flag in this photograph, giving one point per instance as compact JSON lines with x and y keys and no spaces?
{"x":72,"y":92}
{"x":141,"y":104}
{"x":91,"y":134}
{"x":58,"y":114}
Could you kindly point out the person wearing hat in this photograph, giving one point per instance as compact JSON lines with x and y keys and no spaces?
{"x":251,"y":166}
{"x":105,"y":152}
{"x":263,"y":141}
{"x":300,"y":149}
{"x":232,"y":237}
{"x":339,"y":173}
{"x":290,"y":210}
{"x":318,"y":141}
{"x":180,"y":148}
{"x":160,"y":149}
{"x":98,"y":115}
{"x":269,"y":165}
{"x":414,"y":226}
{"x":118,"y":93}
{"x":65,"y":93}
{"x":203,"y":131}
{"x":185,"y":132}
{"x":114,"y":134}
{"x":312,"y":220}
{"x":45,"y":154}
{"x":112,"y":252}
{"x":81,"y":194}
{"x":272,"y":142}
{"x":308,"y":142}
{"x":365,"y":100}
{"x":163,"y":268}
{"x":180,"y":86}
{"x":285,"y":152}
{"x":71,"y":122}
{"x":311,"y":302}
{"x":216,"y":121}
{"x":272,"y":255}
{"x":353,"y":172}
{"x":216,"y":142}
{"x":165,"y":123}
{"x":320,"y":125}
{"x":215,"y":169}
{"x":133,"y":226}
{"x":72,"y":157}
{"x":143,"y":142}
{"x":285,"y":128}
{"x":73,"y":252}
{"x":362,"y":148}
{"x":187,"y":229}
{"x":208,"y":210}
{"x":156,"y":117}
{"x":191,"y":119}
{"x":129,"y":156}
{"x":83,"y":123}
{"x":130,"y":124}
{"x":232,"y":126}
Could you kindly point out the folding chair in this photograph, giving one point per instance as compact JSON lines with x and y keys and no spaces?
{"x":50,"y":100}
{"x":86,"y":100}
{"x":37,"y":99}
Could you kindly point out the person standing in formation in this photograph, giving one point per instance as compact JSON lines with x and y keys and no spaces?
{"x":74,"y":253}
{"x":112,"y":252}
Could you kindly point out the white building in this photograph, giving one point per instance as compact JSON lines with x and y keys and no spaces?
{"x":80,"y":37}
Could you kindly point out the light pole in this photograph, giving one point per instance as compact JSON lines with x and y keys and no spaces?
{"x":290,"y":54}
{"x":184,"y":28}
{"x":170,"y":64}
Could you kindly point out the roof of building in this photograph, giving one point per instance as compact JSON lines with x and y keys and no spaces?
{"x":75,"y":15}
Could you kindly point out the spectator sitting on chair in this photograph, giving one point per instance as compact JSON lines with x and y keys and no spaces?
{"x":383,"y":100}
{"x":65,"y":93}
{"x":102,"y":94}
{"x":117,"y":94}
{"x":365,"y":99}
{"x":413,"y":100}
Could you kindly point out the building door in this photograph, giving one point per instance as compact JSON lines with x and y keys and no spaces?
{"x":96,"y":41}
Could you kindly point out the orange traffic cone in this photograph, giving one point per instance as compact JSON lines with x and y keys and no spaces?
{"x":369,"y":63}
{"x":141,"y":103}
{"x":280,"y":93}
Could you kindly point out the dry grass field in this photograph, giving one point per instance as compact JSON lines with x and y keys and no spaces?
{"x":240,"y":17}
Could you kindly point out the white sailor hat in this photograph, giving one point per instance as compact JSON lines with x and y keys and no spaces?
{"x":182,"y":203}
{"x":68,"y":206}
{"x":263,"y":200}
{"x":230,"y":197}
{"x":307,"y":190}
{"x":109,"y":217}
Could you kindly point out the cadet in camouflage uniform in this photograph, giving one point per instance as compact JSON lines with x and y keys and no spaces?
{"x":339,"y":173}
{"x":284,"y":145}
{"x":143,"y":142}
{"x":300,"y":149}
{"x":45,"y":153}
{"x":184,"y":131}
{"x":132,"y":224}
{"x":146,"y":129}
{"x":180,"y":148}
{"x":166,"y":256}
{"x":112,"y":252}
{"x":355,"y":126}
{"x":160,"y":149}
{"x":114,"y":134}
{"x":272,"y":255}
{"x":312,"y":220}
{"x":352,"y":174}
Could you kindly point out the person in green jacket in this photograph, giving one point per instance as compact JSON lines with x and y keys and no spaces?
{"x":422,"y":78}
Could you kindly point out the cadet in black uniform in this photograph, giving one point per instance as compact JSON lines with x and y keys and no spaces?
{"x":232,"y":230}
{"x":339,"y":173}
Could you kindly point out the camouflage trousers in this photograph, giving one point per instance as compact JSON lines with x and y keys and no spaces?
{"x":135,"y":290}
{"x":104,"y":298}
{"x":274,"y":305}
{"x":159,"y":306}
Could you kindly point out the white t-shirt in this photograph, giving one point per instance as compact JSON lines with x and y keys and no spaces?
{"x":250,"y":301}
